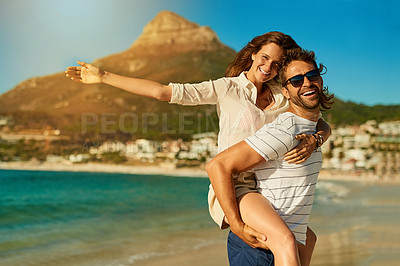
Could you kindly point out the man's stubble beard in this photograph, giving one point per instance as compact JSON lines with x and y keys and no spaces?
{"x":297,"y":100}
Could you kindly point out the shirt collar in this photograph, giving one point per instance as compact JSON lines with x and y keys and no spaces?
{"x":247,"y":83}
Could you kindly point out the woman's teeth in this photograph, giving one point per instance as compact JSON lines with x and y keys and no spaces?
{"x":265,"y":73}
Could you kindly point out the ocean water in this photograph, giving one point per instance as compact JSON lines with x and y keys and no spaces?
{"x":72,"y":218}
{"x":50,"y":217}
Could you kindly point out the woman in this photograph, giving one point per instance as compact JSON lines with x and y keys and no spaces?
{"x":246,"y":99}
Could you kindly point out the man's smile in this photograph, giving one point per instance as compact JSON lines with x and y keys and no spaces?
{"x":309,"y":93}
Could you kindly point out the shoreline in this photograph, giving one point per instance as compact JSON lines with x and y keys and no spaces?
{"x":163,"y":169}
{"x":171,"y":170}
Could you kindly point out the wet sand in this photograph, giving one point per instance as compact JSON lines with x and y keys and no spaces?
{"x":214,"y":255}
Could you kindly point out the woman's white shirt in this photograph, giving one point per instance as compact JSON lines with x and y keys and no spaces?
{"x":235,"y":98}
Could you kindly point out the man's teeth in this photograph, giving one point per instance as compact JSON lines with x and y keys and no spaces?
{"x":308,"y":93}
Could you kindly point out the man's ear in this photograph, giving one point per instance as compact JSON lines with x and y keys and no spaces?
{"x":253,"y":56}
{"x":285,"y":93}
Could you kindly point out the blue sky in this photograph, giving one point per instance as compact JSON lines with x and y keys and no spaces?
{"x":357,"y":40}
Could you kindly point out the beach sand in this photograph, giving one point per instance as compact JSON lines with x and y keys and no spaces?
{"x":214,"y":255}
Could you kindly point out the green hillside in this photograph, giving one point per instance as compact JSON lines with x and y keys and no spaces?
{"x":350,"y":113}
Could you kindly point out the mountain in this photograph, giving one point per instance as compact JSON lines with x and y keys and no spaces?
{"x":170,"y":49}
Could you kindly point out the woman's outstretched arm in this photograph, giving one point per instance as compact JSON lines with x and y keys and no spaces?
{"x":89,"y":74}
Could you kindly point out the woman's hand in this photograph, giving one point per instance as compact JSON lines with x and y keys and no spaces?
{"x":303,"y":151}
{"x":87,"y":73}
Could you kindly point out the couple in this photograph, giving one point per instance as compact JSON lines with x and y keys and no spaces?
{"x":249,"y":97}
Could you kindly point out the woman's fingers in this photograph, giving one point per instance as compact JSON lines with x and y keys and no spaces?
{"x":301,"y":136}
{"x":298,"y":155}
{"x":86,"y":73}
{"x":296,"y":158}
{"x":73,"y":72}
{"x":74,"y":68}
{"x":82,"y":63}
{"x":73,"y":76}
{"x":302,"y":152}
{"x":296,"y":152}
{"x":76,"y":79}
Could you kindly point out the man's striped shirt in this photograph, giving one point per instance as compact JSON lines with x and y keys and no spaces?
{"x":289,"y":187}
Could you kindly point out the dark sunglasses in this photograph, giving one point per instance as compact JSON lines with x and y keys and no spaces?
{"x":298,"y":80}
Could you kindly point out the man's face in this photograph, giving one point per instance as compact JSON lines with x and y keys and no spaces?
{"x":307,"y":95}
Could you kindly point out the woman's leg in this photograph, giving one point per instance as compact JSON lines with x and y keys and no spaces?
{"x":257,"y":212}
{"x":305,"y":251}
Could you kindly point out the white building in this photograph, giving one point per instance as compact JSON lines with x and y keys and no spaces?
{"x":390,"y":128}
{"x":108,"y":146}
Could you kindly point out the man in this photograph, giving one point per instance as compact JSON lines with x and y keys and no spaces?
{"x":288,"y":188}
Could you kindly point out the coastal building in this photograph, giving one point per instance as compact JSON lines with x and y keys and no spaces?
{"x":78,"y":158}
{"x":205,"y":144}
{"x":143,"y":150}
{"x":372,"y":147}
{"x":390,"y":128}
{"x":5,"y":121}
{"x":108,"y":146}
{"x":33,"y":134}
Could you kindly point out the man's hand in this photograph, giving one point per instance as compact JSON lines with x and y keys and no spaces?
{"x":250,"y":236}
{"x":87,"y":74}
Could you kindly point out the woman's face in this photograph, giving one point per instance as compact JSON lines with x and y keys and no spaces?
{"x":265,"y":63}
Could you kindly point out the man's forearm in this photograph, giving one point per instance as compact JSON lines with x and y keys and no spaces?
{"x":138,"y":86}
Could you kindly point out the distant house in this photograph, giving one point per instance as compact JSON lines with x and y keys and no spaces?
{"x":143,"y":150}
{"x":79,"y":158}
{"x":390,"y":128}
{"x":51,"y":158}
{"x":349,"y":165}
{"x":5,"y":121}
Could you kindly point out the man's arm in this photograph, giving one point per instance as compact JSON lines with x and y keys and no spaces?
{"x":237,"y":158}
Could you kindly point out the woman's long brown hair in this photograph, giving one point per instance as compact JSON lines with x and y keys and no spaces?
{"x":243,"y":61}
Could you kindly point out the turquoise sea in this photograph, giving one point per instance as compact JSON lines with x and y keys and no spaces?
{"x":77,"y":218}
{"x":50,"y":216}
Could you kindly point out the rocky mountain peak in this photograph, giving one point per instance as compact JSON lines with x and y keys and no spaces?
{"x":168,"y":47}
{"x":168,"y":29}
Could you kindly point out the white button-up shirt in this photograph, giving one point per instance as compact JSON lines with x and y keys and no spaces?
{"x":235,"y":98}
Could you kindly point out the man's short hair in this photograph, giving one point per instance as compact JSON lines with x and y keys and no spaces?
{"x":299,"y":54}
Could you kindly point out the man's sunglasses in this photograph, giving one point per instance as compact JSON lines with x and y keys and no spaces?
{"x":298,"y":80}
